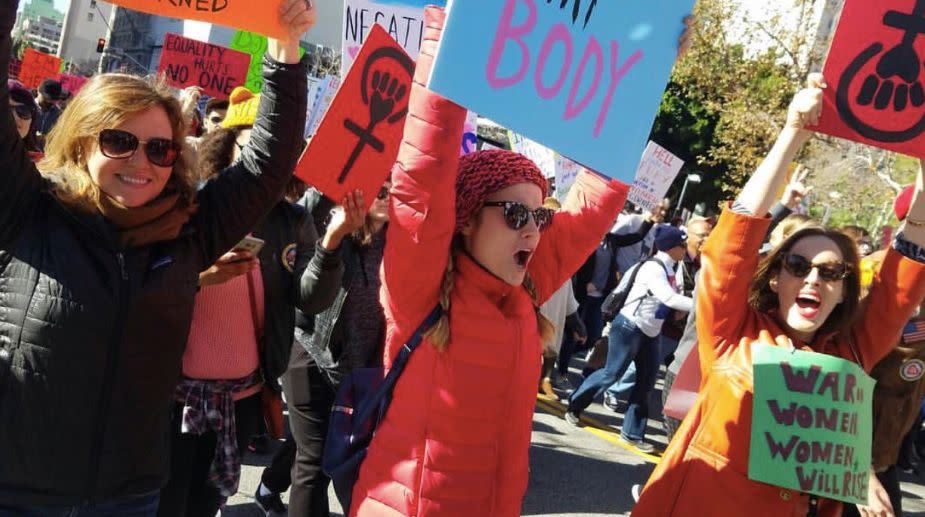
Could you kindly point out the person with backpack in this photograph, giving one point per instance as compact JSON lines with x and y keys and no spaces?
{"x":651,"y":291}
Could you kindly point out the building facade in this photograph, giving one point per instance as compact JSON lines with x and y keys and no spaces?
{"x":85,"y":23}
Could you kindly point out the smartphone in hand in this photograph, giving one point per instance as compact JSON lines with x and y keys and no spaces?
{"x":251,"y":244}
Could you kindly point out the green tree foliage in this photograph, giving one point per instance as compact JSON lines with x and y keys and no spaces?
{"x":726,"y":102}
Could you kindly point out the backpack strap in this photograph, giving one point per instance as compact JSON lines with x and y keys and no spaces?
{"x":632,"y":281}
{"x":398,"y":365}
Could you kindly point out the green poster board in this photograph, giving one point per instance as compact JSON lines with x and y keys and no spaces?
{"x":256,"y":46}
{"x":811,"y":423}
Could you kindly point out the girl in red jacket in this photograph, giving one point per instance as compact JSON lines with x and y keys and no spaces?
{"x":471,"y":235}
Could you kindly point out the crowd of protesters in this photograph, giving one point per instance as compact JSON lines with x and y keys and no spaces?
{"x":166,"y":283}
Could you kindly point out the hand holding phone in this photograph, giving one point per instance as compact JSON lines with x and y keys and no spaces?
{"x":250,"y":244}
{"x":228,"y":266}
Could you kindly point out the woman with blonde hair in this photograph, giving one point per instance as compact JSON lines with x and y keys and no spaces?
{"x":100,"y":255}
{"x":803,"y":296}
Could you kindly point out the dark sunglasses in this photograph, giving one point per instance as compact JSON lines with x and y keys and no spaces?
{"x":23,"y":111}
{"x":516,"y":214}
{"x":799,"y":266}
{"x":121,"y":145}
{"x":383,"y":194}
{"x":216,"y":119}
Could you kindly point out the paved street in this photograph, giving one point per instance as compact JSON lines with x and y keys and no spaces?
{"x":575,"y":472}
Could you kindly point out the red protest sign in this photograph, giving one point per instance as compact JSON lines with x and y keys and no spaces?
{"x":38,"y":66}
{"x":357,"y":141}
{"x":188,"y":62}
{"x":72,"y":83}
{"x":875,"y":76}
{"x":260,"y":17}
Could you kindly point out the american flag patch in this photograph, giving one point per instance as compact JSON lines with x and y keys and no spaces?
{"x":914,"y":331}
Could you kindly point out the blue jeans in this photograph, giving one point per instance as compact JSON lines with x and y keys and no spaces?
{"x":622,"y":388}
{"x":133,"y":506}
{"x":626,"y":344}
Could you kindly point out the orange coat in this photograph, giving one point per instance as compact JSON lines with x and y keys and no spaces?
{"x":704,"y":472}
{"x":456,"y":437}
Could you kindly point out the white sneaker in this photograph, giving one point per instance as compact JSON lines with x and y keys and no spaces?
{"x":636,"y":490}
{"x":572,"y":418}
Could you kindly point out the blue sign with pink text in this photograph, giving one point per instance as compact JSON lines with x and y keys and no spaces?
{"x":583,"y":77}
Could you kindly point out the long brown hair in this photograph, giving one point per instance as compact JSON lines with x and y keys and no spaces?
{"x":105,"y":102}
{"x":763,"y":299}
{"x":439,"y":334}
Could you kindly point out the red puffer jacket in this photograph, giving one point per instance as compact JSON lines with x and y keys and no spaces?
{"x":456,"y":437}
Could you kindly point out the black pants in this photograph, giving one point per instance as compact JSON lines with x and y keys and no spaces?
{"x":277,"y":477}
{"x":890,"y":481}
{"x":309,"y":398}
{"x":189,"y":493}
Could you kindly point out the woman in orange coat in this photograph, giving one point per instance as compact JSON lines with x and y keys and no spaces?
{"x":466,"y":233}
{"x":804,"y":295}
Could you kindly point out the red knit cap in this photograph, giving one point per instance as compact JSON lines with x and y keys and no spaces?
{"x":483,"y":173}
{"x":902,"y":202}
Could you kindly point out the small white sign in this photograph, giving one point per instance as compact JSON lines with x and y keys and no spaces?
{"x":566,"y":173}
{"x":657,"y":170}
{"x":542,"y":156}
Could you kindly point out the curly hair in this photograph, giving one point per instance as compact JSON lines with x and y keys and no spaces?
{"x":216,"y":150}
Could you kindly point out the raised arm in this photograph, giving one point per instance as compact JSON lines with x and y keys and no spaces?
{"x":20,"y":182}
{"x":233,"y":202}
{"x":759,"y":191}
{"x":628,"y":239}
{"x":730,"y":255}
{"x":592,"y":204}
{"x":423,"y":211}
{"x":898,"y":286}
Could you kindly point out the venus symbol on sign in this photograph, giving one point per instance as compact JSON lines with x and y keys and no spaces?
{"x":386,"y":95}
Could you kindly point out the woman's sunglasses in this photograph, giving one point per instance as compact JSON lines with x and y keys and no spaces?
{"x":516,"y":215}
{"x":121,"y":145}
{"x":799,"y":266}
{"x":23,"y":111}
{"x":383,"y":194}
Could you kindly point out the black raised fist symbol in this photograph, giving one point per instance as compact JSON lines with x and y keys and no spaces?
{"x":386,"y":93}
{"x":896,"y":81}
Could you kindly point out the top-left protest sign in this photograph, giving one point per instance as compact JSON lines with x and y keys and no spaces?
{"x":260,"y":17}
{"x":37,"y":66}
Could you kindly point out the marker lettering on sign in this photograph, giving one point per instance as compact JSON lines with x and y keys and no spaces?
{"x":217,"y":70}
{"x":209,"y":6}
{"x":509,"y":32}
{"x":403,"y":29}
{"x":805,"y":382}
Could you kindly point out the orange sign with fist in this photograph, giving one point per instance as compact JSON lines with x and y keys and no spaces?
{"x":358,"y":139}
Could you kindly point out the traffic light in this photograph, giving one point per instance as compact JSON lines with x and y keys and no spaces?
{"x":100,"y":44}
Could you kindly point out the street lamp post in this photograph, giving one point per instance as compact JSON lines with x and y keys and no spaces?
{"x":691,"y":178}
